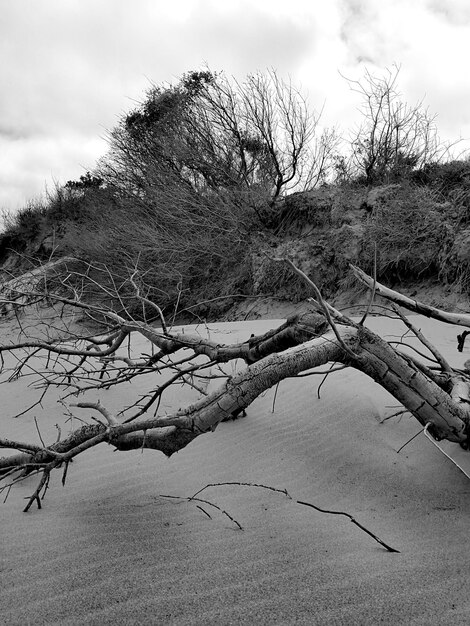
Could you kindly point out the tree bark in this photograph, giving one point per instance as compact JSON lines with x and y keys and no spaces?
{"x":439,"y":400}
{"x":423,"y":397}
{"x":460,"y":319}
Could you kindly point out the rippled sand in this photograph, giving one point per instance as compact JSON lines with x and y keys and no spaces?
{"x":109,"y":549}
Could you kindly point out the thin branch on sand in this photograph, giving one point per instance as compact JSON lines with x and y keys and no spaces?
{"x":215,"y":506}
{"x":284,"y":492}
{"x":354,"y":521}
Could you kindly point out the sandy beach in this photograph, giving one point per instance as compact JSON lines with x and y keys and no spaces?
{"x":109,"y":549}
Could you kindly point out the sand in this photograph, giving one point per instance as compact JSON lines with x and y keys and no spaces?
{"x":109,"y":549}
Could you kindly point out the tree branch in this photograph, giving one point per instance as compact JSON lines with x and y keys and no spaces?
{"x":460,"y":319}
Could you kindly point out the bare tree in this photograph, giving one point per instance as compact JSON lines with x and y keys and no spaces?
{"x":394,"y":137}
{"x":298,"y":155}
{"x":254,"y":140}
{"x":80,"y":363}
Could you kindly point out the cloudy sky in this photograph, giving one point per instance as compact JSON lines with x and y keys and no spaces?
{"x":70,"y":68}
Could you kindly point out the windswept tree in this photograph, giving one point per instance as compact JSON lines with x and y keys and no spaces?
{"x":277,"y":138}
{"x":196,"y":169}
{"x":252,"y":141}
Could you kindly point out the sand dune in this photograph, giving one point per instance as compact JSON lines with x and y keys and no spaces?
{"x":108,"y":549}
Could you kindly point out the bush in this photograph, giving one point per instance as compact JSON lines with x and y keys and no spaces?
{"x":183,"y":246}
{"x":452,"y":181}
{"x":445,"y":177}
{"x":409,"y":229}
{"x":20,"y":228}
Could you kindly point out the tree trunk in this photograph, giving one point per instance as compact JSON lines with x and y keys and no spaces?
{"x":423,"y":397}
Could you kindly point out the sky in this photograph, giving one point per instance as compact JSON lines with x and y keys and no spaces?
{"x":69,"y":69}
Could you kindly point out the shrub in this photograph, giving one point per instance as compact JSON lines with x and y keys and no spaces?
{"x":452,"y":181}
{"x":22,"y":227}
{"x":408,"y":228}
{"x":183,"y":246}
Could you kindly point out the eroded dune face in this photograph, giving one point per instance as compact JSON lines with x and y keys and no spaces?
{"x":108,"y":548}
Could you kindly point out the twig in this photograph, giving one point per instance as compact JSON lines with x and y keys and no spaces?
{"x":38,"y":402}
{"x":324,"y":378}
{"x":240,"y":484}
{"x":317,"y":508}
{"x":44,"y":482}
{"x":284,"y":492}
{"x":409,"y":441}
{"x":410,"y":347}
{"x":324,"y":307}
{"x":7,"y":489}
{"x":372,"y":292}
{"x":39,"y":432}
{"x":432,"y":349}
{"x":232,"y":519}
{"x":428,"y":436}
{"x":149,"y":302}
{"x":396,"y":414}
{"x":158,"y":392}
{"x":64,"y":475}
{"x":204,"y":511}
{"x":275,"y":396}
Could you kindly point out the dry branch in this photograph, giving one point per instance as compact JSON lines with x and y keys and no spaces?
{"x":195,"y":498}
{"x":354,"y":521}
{"x":460,"y":319}
{"x":439,"y":401}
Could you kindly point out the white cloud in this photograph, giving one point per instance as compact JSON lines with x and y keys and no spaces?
{"x":431,"y":51}
{"x":69,"y":68}
{"x":457,"y":12}
{"x":30,"y":165}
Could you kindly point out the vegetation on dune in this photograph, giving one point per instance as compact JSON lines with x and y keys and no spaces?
{"x":207,"y":176}
{"x":210,"y":190}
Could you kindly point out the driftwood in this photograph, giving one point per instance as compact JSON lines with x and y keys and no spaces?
{"x":437,"y":396}
{"x":459,"y":319}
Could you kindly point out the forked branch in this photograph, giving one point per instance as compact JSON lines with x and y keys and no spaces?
{"x":302,"y":343}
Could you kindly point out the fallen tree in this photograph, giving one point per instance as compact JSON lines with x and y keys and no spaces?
{"x":436,"y":394}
